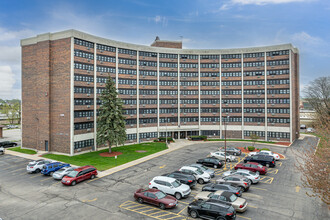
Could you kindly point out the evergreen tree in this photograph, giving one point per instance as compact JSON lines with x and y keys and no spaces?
{"x":110,"y":122}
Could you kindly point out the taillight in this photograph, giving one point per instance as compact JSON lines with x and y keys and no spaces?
{"x":241,"y":206}
{"x":149,"y":183}
{"x":256,"y":178}
{"x":272,"y":161}
{"x":245,"y":184}
{"x":190,"y":181}
{"x":237,"y":193}
{"x":230,"y":214}
{"x":31,"y":167}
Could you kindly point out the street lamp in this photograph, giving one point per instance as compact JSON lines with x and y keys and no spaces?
{"x":166,"y":132}
{"x":226,"y":140}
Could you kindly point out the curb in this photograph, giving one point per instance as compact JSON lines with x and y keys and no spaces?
{"x":275,"y":145}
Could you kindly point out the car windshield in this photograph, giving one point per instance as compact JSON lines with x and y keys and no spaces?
{"x":73,"y":173}
{"x":232,"y":198}
{"x":199,"y":171}
{"x":260,"y":166}
{"x":61,"y":170}
{"x":203,"y":168}
{"x":176,"y":184}
{"x":210,"y":195}
{"x":32,"y":163}
{"x":160,"y":195}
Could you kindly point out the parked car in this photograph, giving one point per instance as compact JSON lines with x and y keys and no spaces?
{"x":236,"y":180}
{"x":239,"y":204}
{"x":58,"y":175}
{"x":204,"y":168}
{"x":36,"y":166}
{"x":50,"y":168}
{"x":211,"y":210}
{"x":232,"y":150}
{"x":266,"y":152}
{"x":265,"y":160}
{"x":252,"y":166}
{"x":212,"y":187}
{"x":251,"y":176}
{"x":79,"y":174}
{"x":210,"y":162}
{"x":12,"y":126}
{"x":184,"y":178}
{"x":155,"y":197}
{"x":6,"y":144}
{"x":198,"y":173}
{"x":2,"y":150}
{"x":221,"y":156}
{"x":302,"y":126}
{"x":310,"y":130}
{"x":170,"y":186}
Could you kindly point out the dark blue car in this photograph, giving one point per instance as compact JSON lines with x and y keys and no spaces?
{"x":49,"y":169}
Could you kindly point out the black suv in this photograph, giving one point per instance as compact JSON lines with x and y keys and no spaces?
{"x":211,"y":210}
{"x":7,"y":144}
{"x":264,"y":160}
{"x":210,"y":162}
{"x":212,"y":187}
{"x":184,"y":178}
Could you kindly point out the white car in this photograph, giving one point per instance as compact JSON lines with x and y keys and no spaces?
{"x":2,"y":150}
{"x":170,"y":186}
{"x":36,"y":166}
{"x":251,"y":176}
{"x":265,"y":152}
{"x":198,"y":173}
{"x":58,"y":175}
{"x":221,"y":156}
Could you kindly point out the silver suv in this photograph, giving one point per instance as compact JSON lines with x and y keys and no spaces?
{"x":235,"y":180}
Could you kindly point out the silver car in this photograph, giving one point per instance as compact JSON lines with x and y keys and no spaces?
{"x":204,"y":168}
{"x":251,"y":176}
{"x":58,"y":175}
{"x":235,"y":180}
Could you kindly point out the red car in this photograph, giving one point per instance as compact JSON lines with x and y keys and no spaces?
{"x":79,"y":174}
{"x":254,"y":167}
{"x":155,"y":197}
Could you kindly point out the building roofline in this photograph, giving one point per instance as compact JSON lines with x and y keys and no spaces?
{"x":100,"y":40}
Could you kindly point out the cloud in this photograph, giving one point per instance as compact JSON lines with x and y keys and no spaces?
{"x":305,"y":38}
{"x":7,"y":83}
{"x":7,"y":35}
{"x":10,"y":54}
{"x":160,"y":20}
{"x":232,"y":3}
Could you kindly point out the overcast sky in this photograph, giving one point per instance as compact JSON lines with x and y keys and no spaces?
{"x":209,"y":24}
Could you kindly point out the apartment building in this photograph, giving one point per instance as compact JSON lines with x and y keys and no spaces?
{"x":163,"y":87}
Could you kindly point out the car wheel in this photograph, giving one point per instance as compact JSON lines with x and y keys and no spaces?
{"x":220,"y":218}
{"x":228,"y":160}
{"x":200,"y":181}
{"x":267,"y":165}
{"x":235,"y":154}
{"x":215,"y":166}
{"x":250,"y":181}
{"x":93,"y":176}
{"x":161,"y":206}
{"x":245,"y":161}
{"x":38,"y":170}
{"x":51,"y":173}
{"x":193,"y":214}
{"x":73,"y":183}
{"x":154,"y":187}
{"x":242,"y":188}
{"x":140,"y":200}
{"x":258,"y":172}
{"x":178,"y":196}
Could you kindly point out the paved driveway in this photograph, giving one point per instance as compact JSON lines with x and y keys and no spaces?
{"x":33,"y":196}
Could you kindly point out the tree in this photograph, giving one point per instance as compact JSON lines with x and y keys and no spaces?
{"x":110,"y":122}
{"x":313,"y":161}
{"x":254,"y":138}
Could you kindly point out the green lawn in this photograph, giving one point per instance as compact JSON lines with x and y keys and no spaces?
{"x":104,"y":163}
{"x":268,"y":142}
{"x":25,"y":151}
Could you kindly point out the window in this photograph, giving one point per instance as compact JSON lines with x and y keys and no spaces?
{"x":189,"y":83}
{"x":253,"y":55}
{"x":129,"y":101}
{"x":168,"y":56}
{"x":168,"y":74}
{"x":84,"y":43}
{"x":148,"y":73}
{"x":211,"y":133}
{"x":207,"y":74}
{"x":231,"y":83}
{"x":168,"y":101}
{"x":210,"y":83}
{"x":210,"y":119}
{"x":278,"y":53}
{"x":83,"y":144}
{"x":278,"y":81}
{"x":279,"y":110}
{"x":254,"y":119}
{"x":83,"y":66}
{"x":127,"y":71}
{"x":88,"y":90}
{"x":106,"y":58}
{"x":148,"y":63}
{"x":99,"y":90}
{"x":127,"y":81}
{"x":148,"y":92}
{"x":253,"y":91}
{"x":277,"y":62}
{"x":131,"y":136}
{"x":231,"y":92}
{"x":189,"y":92}
{"x":210,"y":101}
{"x":278,"y":101}
{"x":278,"y":91}
{"x":168,"y":83}
{"x":130,"y":121}
{"x":188,"y":74}
{"x":127,"y":91}
{"x":106,"y":48}
{"x":168,"y":65}
{"x":254,"y":110}
{"x":148,"y":101}
{"x":126,"y":51}
{"x":209,"y":57}
{"x":83,"y":125}
{"x":254,"y":64}
{"x":169,"y":120}
{"x":147,"y":54}
{"x":148,"y":135}
{"x":83,"y":54}
{"x":210,"y":92}
{"x":231,"y":101}
{"x":83,"y":102}
{"x":232,"y":110}
{"x":278,"y":135}
{"x":84,"y":78}
{"x":105,"y":69}
{"x":189,"y":110}
{"x":148,"y":82}
{"x":190,"y":119}
{"x":231,"y":74}
{"x":253,"y":82}
{"x":209,"y":65}
{"x":254,"y":73}
{"x":231,"y":56}
{"x":189,"y":65}
{"x":126,"y":61}
{"x":81,"y":114}
{"x":148,"y":120}
{"x":254,"y":101}
{"x":278,"y":72}
{"x":100,"y":79}
{"x":191,"y":57}
{"x":232,"y":119}
{"x":129,"y":111}
{"x":168,"y":110}
{"x":189,"y":101}
{"x":148,"y":111}
{"x":231,"y":65}
{"x":279,"y":120}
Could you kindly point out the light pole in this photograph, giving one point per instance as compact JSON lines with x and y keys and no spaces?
{"x":226,"y":141}
{"x":166,"y":132}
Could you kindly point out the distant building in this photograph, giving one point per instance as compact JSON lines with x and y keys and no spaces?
{"x":307,"y":113}
{"x":163,"y":87}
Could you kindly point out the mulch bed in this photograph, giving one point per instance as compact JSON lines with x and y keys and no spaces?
{"x":112,"y":154}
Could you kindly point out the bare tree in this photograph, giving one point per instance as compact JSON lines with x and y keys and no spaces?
{"x":313,"y":161}
{"x":254,"y":138}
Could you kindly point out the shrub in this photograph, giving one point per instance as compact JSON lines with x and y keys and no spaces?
{"x":251,"y":148}
{"x":162,"y":139}
{"x":198,"y":138}
{"x":265,"y":149}
{"x":204,"y":138}
{"x":245,"y":148}
{"x":156,"y":140}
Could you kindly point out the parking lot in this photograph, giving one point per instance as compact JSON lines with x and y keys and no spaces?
{"x":34,"y":196}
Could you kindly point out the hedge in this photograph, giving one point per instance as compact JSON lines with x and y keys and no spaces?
{"x":251,"y":148}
